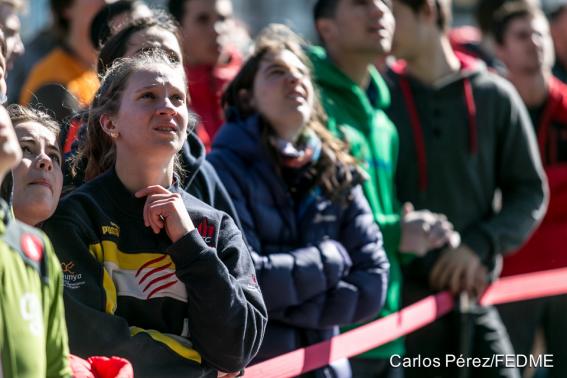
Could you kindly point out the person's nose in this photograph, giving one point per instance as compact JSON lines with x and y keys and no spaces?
{"x":167,"y":108}
{"x":377,"y":8}
{"x":44,"y":162}
{"x":294,"y":77}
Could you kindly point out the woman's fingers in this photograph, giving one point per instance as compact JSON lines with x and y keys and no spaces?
{"x":165,"y":210}
{"x":154,"y":189}
{"x":154,"y":194}
{"x":152,"y":199}
{"x":158,"y":211}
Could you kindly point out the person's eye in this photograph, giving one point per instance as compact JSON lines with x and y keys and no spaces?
{"x":203,"y":19}
{"x":178,"y":98}
{"x":147,"y":95}
{"x":55,"y":158}
{"x":276,"y":72}
{"x":26,"y":150}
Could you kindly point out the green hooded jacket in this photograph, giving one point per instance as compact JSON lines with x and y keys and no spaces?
{"x":357,"y":117}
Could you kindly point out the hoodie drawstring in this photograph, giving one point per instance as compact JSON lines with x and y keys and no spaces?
{"x":417,"y":130}
{"x":544,"y":132}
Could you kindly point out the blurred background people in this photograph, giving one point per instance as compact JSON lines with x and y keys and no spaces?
{"x":464,"y":134}
{"x":111,"y":18}
{"x":211,"y":61}
{"x":10,"y":25}
{"x":523,"y":43}
{"x":64,"y":81}
{"x":354,"y":35}
{"x":556,"y":11}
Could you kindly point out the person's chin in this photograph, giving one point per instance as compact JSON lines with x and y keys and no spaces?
{"x":166,"y":147}
{"x":40,"y":210}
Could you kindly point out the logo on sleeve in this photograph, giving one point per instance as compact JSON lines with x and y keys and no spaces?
{"x":249,"y":281}
{"x":71,"y":279}
{"x":32,"y":247}
{"x":207,"y":231}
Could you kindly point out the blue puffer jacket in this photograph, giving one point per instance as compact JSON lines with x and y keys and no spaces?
{"x":319,"y":268}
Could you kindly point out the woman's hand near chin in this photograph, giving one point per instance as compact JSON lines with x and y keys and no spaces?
{"x":164,"y":209}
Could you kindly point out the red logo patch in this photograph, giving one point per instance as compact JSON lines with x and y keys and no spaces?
{"x":206,"y":230}
{"x":32,"y":247}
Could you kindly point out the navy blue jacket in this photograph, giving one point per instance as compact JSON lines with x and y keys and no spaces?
{"x":319,"y":267}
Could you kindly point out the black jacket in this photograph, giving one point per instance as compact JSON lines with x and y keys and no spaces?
{"x":185,"y":309}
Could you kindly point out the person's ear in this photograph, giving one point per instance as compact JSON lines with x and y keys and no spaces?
{"x":108,"y":127}
{"x":429,"y":11}
{"x":246,"y":99}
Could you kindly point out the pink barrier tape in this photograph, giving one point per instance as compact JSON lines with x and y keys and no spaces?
{"x":526,"y":286}
{"x":403,"y":322}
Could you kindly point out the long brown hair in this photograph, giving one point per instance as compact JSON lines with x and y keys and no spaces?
{"x":336,"y":170}
{"x":98,"y":149}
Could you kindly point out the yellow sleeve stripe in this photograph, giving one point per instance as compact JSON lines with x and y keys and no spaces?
{"x":109,"y":252}
{"x":107,"y":283}
{"x":110,"y":292}
{"x":171,"y":343}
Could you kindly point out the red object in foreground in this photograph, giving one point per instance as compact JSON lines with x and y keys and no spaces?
{"x":407,"y":320}
{"x":101,"y":367}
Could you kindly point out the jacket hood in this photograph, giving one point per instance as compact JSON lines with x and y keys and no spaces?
{"x":470,"y":67}
{"x":243,"y":137}
{"x":329,"y":75}
{"x":192,"y":155}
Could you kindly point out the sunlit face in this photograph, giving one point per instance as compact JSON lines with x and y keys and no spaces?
{"x":527,"y":45}
{"x":361,"y":26}
{"x":205,"y":25}
{"x":154,"y":38}
{"x":38,"y":178}
{"x":10,"y":152}
{"x":10,"y":24}
{"x":153,"y":116}
{"x":283,"y":93}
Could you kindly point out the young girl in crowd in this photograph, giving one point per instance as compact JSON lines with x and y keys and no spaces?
{"x":33,"y":336}
{"x":156,"y":276}
{"x":199,"y":177}
{"x":37,"y":180}
{"x":316,"y":249}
